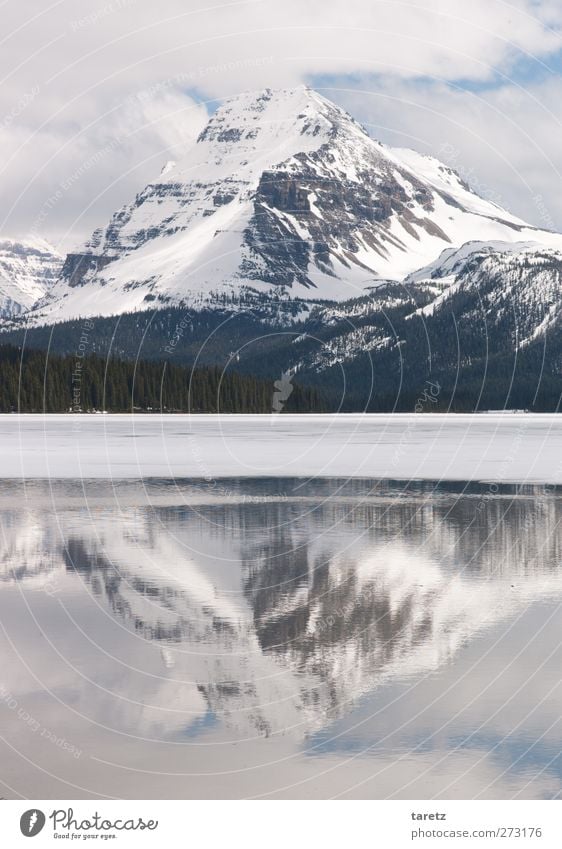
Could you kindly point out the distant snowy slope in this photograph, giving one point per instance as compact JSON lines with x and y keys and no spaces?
{"x":283,"y":191}
{"x":27,"y":271}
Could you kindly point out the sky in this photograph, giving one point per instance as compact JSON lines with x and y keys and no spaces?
{"x":96,"y":96}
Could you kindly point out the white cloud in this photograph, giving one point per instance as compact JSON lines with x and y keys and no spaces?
{"x":74,"y":75}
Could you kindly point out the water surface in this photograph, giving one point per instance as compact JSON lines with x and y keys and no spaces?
{"x":279,"y":637}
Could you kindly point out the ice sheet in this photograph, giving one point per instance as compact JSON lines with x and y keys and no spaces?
{"x":495,"y":447}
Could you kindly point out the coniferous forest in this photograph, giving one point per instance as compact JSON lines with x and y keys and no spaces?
{"x":34,"y":382}
{"x":475,"y":370}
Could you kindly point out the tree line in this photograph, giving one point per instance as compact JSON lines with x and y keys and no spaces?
{"x":33,"y":381}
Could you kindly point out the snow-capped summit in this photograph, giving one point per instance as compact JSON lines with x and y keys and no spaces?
{"x":27,"y":271}
{"x":282,"y":191}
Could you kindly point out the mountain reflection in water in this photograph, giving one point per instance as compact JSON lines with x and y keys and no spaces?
{"x":264,"y":610}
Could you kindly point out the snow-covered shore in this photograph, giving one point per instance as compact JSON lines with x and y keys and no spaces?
{"x":495,"y":447}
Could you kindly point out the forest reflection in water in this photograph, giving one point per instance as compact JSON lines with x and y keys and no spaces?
{"x":280,"y":637}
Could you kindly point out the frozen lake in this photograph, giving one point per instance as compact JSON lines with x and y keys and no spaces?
{"x":271,"y":606}
{"x":280,"y":638}
{"x":495,"y":447}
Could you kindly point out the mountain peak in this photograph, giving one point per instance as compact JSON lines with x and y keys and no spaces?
{"x":262,"y":100}
{"x":272,"y":115}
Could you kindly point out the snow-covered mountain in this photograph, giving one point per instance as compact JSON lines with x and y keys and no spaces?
{"x":282,"y":191}
{"x":28,"y":269}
